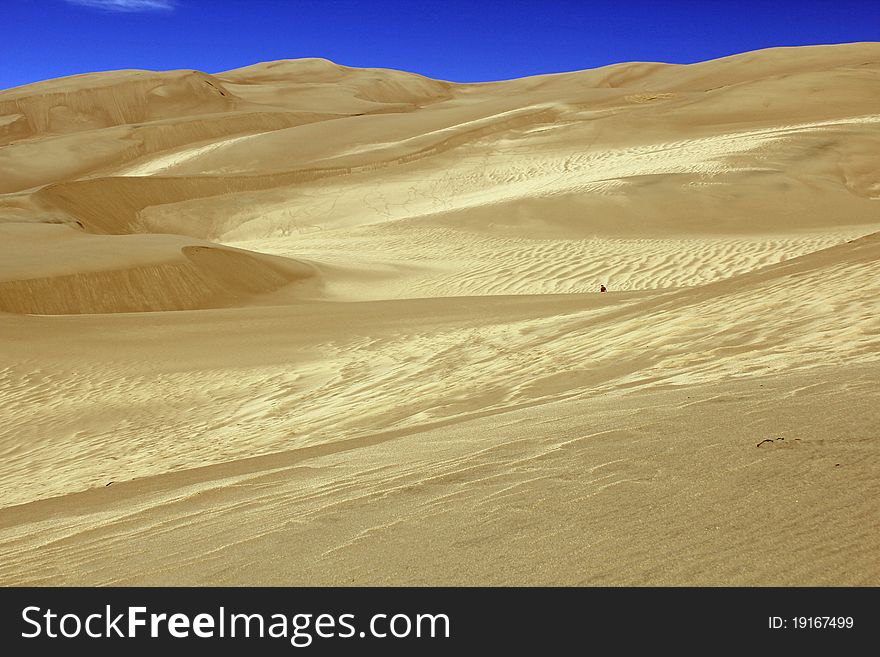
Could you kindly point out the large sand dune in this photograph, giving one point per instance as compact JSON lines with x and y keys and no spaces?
{"x":299,"y":323}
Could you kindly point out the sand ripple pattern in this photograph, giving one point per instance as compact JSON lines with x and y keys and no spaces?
{"x":491,"y":265}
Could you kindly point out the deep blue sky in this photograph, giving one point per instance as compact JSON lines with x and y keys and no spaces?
{"x":463,"y":41}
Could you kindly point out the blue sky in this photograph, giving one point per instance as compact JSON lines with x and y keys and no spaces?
{"x":454,"y":40}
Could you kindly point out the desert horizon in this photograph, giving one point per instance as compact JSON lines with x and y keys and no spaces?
{"x":303,"y":324}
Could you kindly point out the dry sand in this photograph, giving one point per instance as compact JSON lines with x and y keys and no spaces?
{"x":305,"y":324}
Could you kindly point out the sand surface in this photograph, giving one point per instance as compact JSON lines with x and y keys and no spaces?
{"x":302,"y":324}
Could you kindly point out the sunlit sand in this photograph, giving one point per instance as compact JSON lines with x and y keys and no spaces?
{"x":303,"y":324}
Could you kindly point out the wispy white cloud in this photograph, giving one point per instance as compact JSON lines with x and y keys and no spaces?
{"x":126,"y":5}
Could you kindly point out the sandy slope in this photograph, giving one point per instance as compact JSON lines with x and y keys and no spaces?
{"x":388,"y":360}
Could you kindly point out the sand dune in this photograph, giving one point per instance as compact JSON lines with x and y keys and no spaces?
{"x":51,"y":270}
{"x":299,"y":323}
